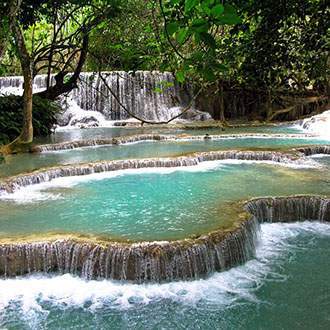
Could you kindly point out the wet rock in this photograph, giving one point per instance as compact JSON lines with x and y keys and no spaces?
{"x":120,"y":123}
{"x":85,"y":122}
{"x":64,"y":118}
{"x":195,"y":114}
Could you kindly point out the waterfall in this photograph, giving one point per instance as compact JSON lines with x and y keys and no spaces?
{"x":290,"y":209}
{"x":152,"y":96}
{"x":137,"y":262}
{"x":319,"y":124}
{"x":140,"y":262}
{"x":13,"y":85}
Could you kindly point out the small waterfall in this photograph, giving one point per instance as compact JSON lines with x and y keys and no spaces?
{"x":45,"y":175}
{"x":137,"y":262}
{"x":159,"y":137}
{"x":152,"y":96}
{"x":319,"y":124}
{"x":290,"y":209}
{"x":13,"y":85}
{"x":315,"y":150}
{"x":161,"y":261}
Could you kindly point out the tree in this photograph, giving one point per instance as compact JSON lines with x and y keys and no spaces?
{"x":8,"y":11}
{"x":64,"y":50}
{"x":22,"y":143}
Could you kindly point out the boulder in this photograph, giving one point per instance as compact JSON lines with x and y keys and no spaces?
{"x":194,"y":114}
{"x":84,"y":122}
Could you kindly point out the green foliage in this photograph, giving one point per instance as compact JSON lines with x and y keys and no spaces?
{"x":131,"y":41}
{"x":280,"y":44}
{"x":44,"y":117}
{"x":260,"y":44}
{"x":194,"y":28}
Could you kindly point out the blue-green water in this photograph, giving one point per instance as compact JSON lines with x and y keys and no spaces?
{"x":152,"y":204}
{"x":286,"y":287}
{"x":108,"y":132}
{"x":27,"y":162}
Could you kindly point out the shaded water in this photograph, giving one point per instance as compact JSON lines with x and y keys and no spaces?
{"x":107,"y":132}
{"x":266,"y":293}
{"x":152,"y":204}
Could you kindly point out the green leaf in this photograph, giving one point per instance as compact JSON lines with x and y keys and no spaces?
{"x":208,"y":39}
{"x":172,"y":27}
{"x":229,"y":19}
{"x":180,"y":76}
{"x":229,"y":16}
{"x":199,"y":22}
{"x":181,"y":35}
{"x":197,"y":37}
{"x":208,"y":74}
{"x":221,"y":67}
{"x":207,"y":2}
{"x":200,"y":25}
{"x":197,"y":56}
{"x":158,"y":90}
{"x":205,"y":8}
{"x":217,"y":10}
{"x":189,"y":5}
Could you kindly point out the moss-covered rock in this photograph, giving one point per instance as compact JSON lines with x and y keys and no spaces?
{"x":44,"y":117}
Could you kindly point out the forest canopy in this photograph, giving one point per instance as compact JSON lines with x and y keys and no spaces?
{"x":264,"y":44}
{"x":266,"y":50}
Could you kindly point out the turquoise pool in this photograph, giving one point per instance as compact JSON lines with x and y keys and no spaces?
{"x":152,"y":204}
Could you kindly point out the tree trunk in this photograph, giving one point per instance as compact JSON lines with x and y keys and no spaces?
{"x":268,"y":106}
{"x":6,"y":23}
{"x":221,"y":103}
{"x":24,"y":141}
{"x":61,"y":86}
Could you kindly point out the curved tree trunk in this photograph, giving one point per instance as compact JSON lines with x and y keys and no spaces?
{"x":23,"y":142}
{"x":61,"y":86}
{"x":7,"y":20}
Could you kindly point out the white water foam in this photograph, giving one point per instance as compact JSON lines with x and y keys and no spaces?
{"x":318,"y":124}
{"x":77,"y":114}
{"x":225,"y":288}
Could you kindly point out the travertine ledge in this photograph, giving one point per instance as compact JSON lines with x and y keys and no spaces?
{"x":158,"y":137}
{"x":10,"y":184}
{"x":190,"y":258}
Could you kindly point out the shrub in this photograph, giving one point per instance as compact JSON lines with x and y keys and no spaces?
{"x":44,"y":117}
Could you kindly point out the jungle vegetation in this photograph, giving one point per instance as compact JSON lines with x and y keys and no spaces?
{"x":275,"y":53}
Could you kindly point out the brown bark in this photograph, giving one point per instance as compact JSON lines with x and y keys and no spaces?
{"x":62,"y":87}
{"x":23,"y":142}
{"x":221,"y":103}
{"x":8,"y":17}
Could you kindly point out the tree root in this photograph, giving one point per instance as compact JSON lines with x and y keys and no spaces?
{"x":16,"y":147}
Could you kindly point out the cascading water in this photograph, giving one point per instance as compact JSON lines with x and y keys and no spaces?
{"x":46,"y":175}
{"x":151,"y":96}
{"x":139,"y":262}
{"x":162,"y":261}
{"x":319,"y":124}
